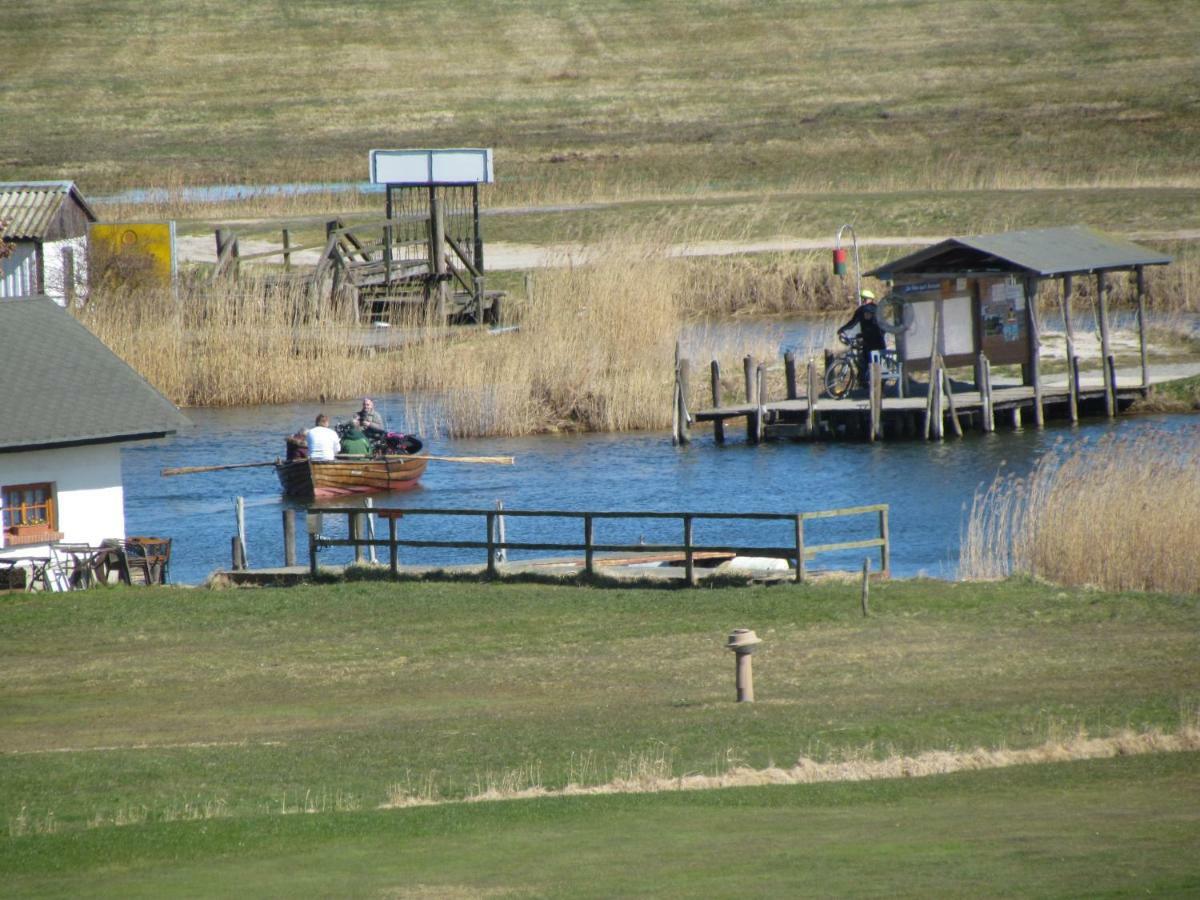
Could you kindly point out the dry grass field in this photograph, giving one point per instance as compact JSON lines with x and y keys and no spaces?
{"x":610,"y":99}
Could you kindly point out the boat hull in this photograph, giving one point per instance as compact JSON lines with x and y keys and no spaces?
{"x":313,"y":479}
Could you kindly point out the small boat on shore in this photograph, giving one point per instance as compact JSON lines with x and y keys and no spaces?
{"x":318,"y":479}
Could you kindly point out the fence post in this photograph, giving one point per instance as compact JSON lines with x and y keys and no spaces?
{"x":589,"y":555}
{"x":353,"y":523}
{"x":885,"y":551}
{"x":393,"y":559}
{"x":289,"y":537}
{"x":491,"y":544}
{"x":866,"y":584}
{"x":370,"y":517}
{"x":688,"y":557}
{"x":313,"y":522}
{"x":799,"y":549}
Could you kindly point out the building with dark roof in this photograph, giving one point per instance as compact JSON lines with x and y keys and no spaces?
{"x":67,"y":406}
{"x":45,"y":225}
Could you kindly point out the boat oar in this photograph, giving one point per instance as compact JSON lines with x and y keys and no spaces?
{"x":188,"y":470}
{"x":482,"y":460}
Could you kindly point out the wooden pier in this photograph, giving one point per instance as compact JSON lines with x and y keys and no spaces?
{"x":950,"y":406}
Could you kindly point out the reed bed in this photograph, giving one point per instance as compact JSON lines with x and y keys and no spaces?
{"x":1121,"y":514}
{"x":593,"y":350}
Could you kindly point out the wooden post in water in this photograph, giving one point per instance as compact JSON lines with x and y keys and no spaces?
{"x":289,"y":537}
{"x":1141,"y":303}
{"x":354,"y":526}
{"x":718,"y":423}
{"x":1110,"y":388}
{"x":313,"y":522}
{"x":393,"y":556}
{"x":239,"y":505}
{"x":685,"y":368}
{"x":491,"y":544}
{"x":811,"y":388}
{"x":950,"y":402}
{"x":369,"y":516}
{"x":983,"y":371}
{"x":1035,"y":368}
{"x":238,"y":562}
{"x":748,"y":369}
{"x":287,"y":253}
{"x":789,"y":371}
{"x":760,"y":414}
{"x":873,"y":385}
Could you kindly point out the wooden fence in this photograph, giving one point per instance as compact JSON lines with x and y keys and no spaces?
{"x":495,"y":545}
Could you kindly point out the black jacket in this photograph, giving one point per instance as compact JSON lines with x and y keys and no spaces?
{"x":866,"y":317}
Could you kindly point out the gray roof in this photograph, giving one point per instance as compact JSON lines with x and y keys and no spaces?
{"x":1046,"y":252}
{"x":29,"y":207}
{"x":60,"y":386}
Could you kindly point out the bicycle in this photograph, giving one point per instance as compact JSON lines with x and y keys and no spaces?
{"x":843,"y":372}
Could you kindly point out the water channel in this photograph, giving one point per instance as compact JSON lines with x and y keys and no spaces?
{"x":928,"y":486}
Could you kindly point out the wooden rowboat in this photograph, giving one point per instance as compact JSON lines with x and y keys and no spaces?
{"x":336,"y":478}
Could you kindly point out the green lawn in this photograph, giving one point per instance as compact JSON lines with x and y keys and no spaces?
{"x":1111,"y":828}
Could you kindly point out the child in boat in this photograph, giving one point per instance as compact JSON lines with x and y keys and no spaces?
{"x":354,"y":442}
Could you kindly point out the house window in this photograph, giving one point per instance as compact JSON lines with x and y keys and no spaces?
{"x":28,"y":514}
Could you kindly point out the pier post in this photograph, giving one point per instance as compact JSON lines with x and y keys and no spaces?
{"x":1141,"y":306}
{"x":873,"y":386}
{"x":287,"y":253}
{"x":1110,"y":388}
{"x":1016,"y":418}
{"x":289,"y":537}
{"x":313,"y":522}
{"x":354,"y":526}
{"x":393,"y":556}
{"x":718,"y":423}
{"x":760,"y":383}
{"x":789,"y":370}
{"x":812,"y":389}
{"x":950,"y":403}
{"x":685,"y":369}
{"x":983,"y":371}
{"x":748,"y":370}
{"x":239,"y":505}
{"x":1072,"y":360}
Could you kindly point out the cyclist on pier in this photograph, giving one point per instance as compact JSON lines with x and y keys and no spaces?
{"x":866,"y":317}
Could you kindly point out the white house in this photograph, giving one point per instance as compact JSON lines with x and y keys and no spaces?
{"x":45,"y":225}
{"x":67,"y":406}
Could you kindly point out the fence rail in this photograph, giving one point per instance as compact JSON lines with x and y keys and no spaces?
{"x":798,"y":550}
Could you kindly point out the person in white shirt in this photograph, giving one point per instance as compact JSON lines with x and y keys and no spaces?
{"x":323,"y":441}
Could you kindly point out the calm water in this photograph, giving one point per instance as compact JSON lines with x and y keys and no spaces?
{"x":927,"y":486}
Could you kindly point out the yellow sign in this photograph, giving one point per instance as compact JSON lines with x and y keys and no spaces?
{"x":132,"y":254}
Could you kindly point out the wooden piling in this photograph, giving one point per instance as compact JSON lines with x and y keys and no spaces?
{"x":685,"y":368}
{"x":760,"y":415}
{"x":874,"y":383}
{"x":799,"y":549}
{"x":748,"y":369}
{"x":789,"y":370}
{"x":718,"y":424}
{"x":950,"y":402}
{"x":983,"y":367}
{"x":812,"y":390}
{"x":689,"y":556}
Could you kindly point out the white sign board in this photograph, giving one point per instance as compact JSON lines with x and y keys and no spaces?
{"x":460,"y":166}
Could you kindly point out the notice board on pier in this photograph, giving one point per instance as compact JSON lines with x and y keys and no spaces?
{"x":951,"y":301}
{"x":1004,"y":320}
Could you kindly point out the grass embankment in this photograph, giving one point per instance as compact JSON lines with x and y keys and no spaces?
{"x":1123,"y":514}
{"x":155,"y":739}
{"x":603,"y":99}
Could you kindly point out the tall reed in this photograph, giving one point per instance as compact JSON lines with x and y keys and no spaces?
{"x":1122,"y":513}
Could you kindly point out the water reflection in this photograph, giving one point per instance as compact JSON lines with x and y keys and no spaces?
{"x":927,"y":485}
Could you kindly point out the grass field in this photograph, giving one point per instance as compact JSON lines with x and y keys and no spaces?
{"x":168,"y":730}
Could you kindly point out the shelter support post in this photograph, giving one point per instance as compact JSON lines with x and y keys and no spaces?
{"x":1141,"y":306}
{"x":1035,"y":348}
{"x":1072,"y":361}
{"x":1110,"y":387}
